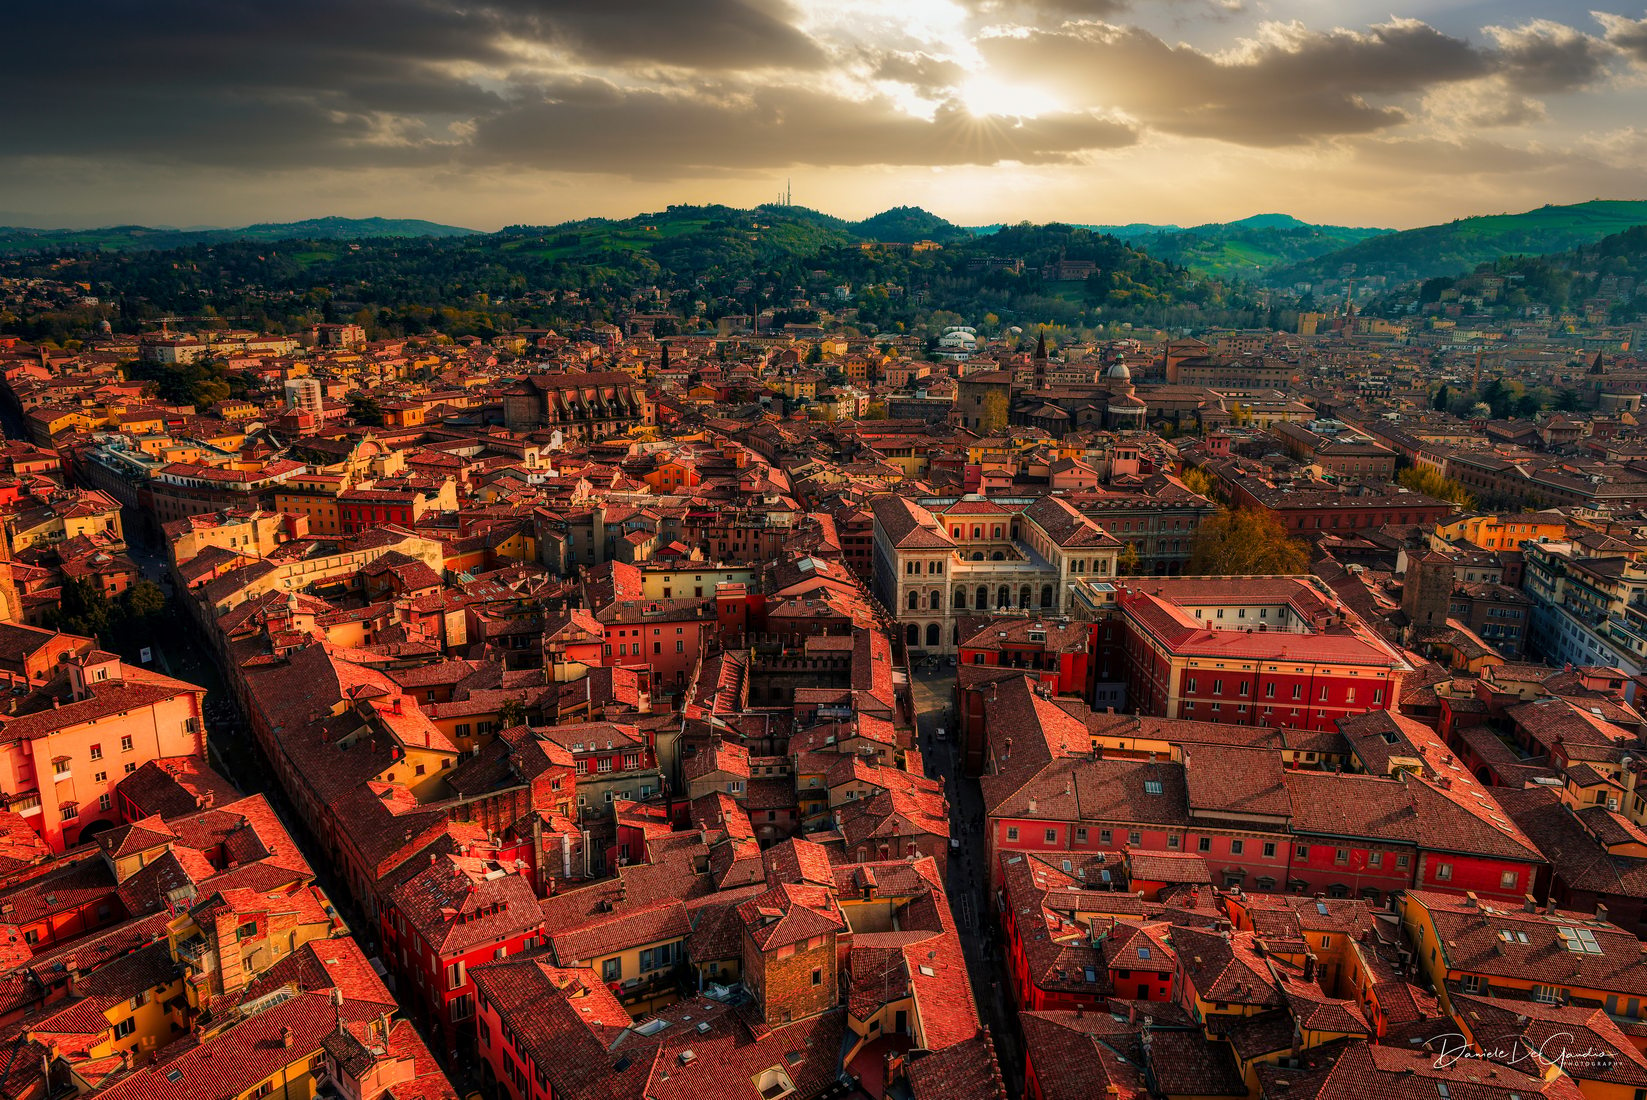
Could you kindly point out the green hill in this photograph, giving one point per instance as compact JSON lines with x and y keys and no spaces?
{"x":1611,"y":273}
{"x":1245,"y":249}
{"x":699,"y":263}
{"x":123,"y":238}
{"x":1458,"y":246}
{"x":907,"y":224}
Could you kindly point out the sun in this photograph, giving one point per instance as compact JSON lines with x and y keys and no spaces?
{"x":985,"y":95}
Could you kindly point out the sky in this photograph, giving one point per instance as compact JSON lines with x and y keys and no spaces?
{"x":494,"y":112}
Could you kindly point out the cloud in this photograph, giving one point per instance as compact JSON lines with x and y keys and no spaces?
{"x":921,"y":71}
{"x":1545,"y":56}
{"x":1629,"y":35}
{"x":598,"y":127}
{"x":1481,"y":104}
{"x":1289,"y":85}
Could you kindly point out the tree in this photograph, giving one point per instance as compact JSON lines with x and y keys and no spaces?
{"x":511,"y":714}
{"x":1432,"y":484}
{"x":1197,"y":480}
{"x":366,"y":410}
{"x":1442,"y":397}
{"x":1126,"y":563}
{"x":1246,"y":542}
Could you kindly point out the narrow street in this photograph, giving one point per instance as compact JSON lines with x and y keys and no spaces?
{"x":968,"y":885}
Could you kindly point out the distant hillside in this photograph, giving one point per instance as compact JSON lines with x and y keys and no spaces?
{"x":907,"y":224}
{"x":125,"y":238}
{"x":1245,"y":249}
{"x":694,"y":265}
{"x":1459,"y":246}
{"x":690,"y":240}
{"x":1607,"y":279}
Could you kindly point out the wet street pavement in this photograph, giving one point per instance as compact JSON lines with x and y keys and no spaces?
{"x":968,"y":885}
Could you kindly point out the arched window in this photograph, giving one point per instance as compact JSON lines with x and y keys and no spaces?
{"x":1046,"y":595}
{"x":977,"y":530}
{"x":912,"y":635}
{"x":937,"y":603}
{"x":1023,"y":598}
{"x":1003,"y":597}
{"x":997,"y":556}
{"x":914,"y":600}
{"x":983,"y":598}
{"x":960,"y":599}
{"x":934,"y":636}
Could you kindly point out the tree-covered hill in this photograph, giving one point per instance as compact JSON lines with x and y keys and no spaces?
{"x":1458,"y":246}
{"x":140,"y":237}
{"x":698,"y":263}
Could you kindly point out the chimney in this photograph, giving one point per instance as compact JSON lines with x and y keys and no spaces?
{"x":1470,"y":900}
{"x":1601,"y":913}
{"x":1529,"y":904}
{"x":285,"y":1036}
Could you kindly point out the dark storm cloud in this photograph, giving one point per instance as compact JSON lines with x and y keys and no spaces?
{"x":333,"y":82}
{"x":1542,"y":56}
{"x":1293,"y":87}
{"x":1629,"y":35}
{"x":593,"y":126}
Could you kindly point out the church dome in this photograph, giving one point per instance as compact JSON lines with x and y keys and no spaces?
{"x":1120,"y":371}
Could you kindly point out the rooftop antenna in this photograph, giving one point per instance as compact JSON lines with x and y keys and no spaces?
{"x":788,"y":193}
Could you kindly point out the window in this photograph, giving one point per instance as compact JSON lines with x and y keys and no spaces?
{"x":1105,"y":836}
{"x":1172,"y":841}
{"x":1237,"y":847}
{"x":1052,"y":836}
{"x":463,"y":1007}
{"x":1190,"y":684}
{"x":1507,"y":880}
{"x":1152,"y":786}
{"x":1302,"y":851}
{"x":125,"y":1027}
{"x":1218,"y":687}
{"x":130,"y":768}
{"x":612,"y":970}
{"x":1012,"y":832}
{"x":1204,"y":844}
{"x":126,"y":744}
{"x":1269,"y":849}
{"x":817,"y":975}
{"x":1548,"y":994}
{"x":1375,"y":859}
{"x":1401,"y":861}
{"x":1134,"y":838}
{"x":1474,"y":983}
{"x":1269,"y":691}
{"x":1444,"y":872}
{"x":1081,"y":835}
{"x":97,"y":752}
{"x":455,"y":976}
{"x":71,"y":810}
{"x":1341,"y":856}
{"x":680,"y":646}
{"x":1298,"y":691}
{"x":1580,"y":941}
{"x":61,"y":768}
